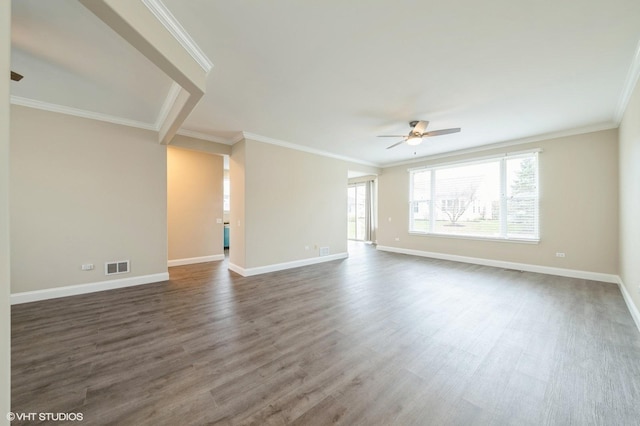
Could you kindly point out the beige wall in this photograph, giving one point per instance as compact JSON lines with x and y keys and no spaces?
{"x":295,"y":203}
{"x":194,"y":202}
{"x":200,"y":145}
{"x":362,"y":168}
{"x":630,"y":197}
{"x":578,"y":208}
{"x":84,"y":191}
{"x":237,"y":249}
{"x":5,"y":309}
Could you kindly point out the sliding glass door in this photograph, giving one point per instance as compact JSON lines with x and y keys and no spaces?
{"x":357,"y":212}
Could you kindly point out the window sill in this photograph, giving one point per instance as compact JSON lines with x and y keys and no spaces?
{"x":478,"y":238}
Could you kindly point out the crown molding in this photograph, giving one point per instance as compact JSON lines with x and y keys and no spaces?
{"x":271,"y":141}
{"x":175,"y":90}
{"x":237,"y":138}
{"x":32,"y":103}
{"x":629,"y":84}
{"x":172,"y":95}
{"x":174,"y":27}
{"x":505,"y":144}
{"x":204,"y":136}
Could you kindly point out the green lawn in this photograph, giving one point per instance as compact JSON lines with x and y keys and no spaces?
{"x":487,"y":228}
{"x":478,"y":227}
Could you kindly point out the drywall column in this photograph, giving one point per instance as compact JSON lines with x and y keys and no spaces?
{"x":285,"y":205}
{"x":629,"y":158}
{"x":237,"y":231}
{"x":5,"y":308}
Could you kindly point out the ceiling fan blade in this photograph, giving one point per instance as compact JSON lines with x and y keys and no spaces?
{"x":420,"y":127}
{"x":396,"y":144}
{"x":392,"y":136}
{"x":15,"y":76}
{"x":441,"y":132}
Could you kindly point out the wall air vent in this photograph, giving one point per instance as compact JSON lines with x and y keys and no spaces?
{"x":118,"y":267}
{"x":324,"y":251}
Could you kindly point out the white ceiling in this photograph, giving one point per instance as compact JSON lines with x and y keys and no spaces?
{"x":331,"y":75}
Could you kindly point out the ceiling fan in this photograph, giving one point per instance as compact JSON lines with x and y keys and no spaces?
{"x":418,"y":131}
{"x":15,"y":76}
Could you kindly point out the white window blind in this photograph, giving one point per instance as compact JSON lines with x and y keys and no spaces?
{"x":494,"y":198}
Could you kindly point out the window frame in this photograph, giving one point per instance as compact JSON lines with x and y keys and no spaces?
{"x":504,"y":198}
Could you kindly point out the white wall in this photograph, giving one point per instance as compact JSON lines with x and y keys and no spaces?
{"x":5,"y":308}
{"x":578,"y":208}
{"x":194,"y":202}
{"x":84,"y":191}
{"x":630,"y":198}
{"x":294,"y":203}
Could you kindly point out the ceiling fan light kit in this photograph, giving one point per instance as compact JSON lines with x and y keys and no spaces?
{"x":418,"y":131}
{"x":414,"y":140}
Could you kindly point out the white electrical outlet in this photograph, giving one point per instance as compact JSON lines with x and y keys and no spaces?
{"x":87,"y":267}
{"x":218,"y":220}
{"x":397,"y":238}
{"x":560,"y":254}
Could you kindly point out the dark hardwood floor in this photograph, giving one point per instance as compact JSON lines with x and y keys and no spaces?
{"x":376,"y":339}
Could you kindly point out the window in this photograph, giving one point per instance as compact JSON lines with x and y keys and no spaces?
{"x":226,"y":190}
{"x":494,"y":198}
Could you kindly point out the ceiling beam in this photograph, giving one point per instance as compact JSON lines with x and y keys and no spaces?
{"x":134,"y":22}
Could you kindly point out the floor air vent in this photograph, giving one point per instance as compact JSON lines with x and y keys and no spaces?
{"x":119,"y":267}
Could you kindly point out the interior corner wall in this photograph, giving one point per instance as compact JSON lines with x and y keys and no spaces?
{"x":84,"y":191}
{"x":295,"y":203}
{"x":5,"y":275}
{"x":630,"y":198}
{"x":578,"y":180}
{"x":194,"y":205}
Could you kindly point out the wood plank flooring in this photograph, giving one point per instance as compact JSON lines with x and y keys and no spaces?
{"x":376,"y":339}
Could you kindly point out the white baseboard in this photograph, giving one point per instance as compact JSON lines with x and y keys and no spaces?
{"x":237,"y":269}
{"x":635,"y":314}
{"x":192,"y":260}
{"x":73,"y":290}
{"x":572,"y":273}
{"x":248,"y":272}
